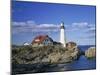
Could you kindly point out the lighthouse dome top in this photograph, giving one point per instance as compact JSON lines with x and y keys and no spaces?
{"x":62,"y":25}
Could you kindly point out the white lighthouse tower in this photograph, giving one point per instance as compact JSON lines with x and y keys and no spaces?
{"x":62,"y":35}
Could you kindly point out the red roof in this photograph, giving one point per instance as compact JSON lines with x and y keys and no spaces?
{"x":39,"y":39}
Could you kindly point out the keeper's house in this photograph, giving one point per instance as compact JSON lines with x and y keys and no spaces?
{"x":42,"y":40}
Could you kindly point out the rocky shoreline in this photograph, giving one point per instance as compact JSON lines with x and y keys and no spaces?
{"x":45,"y":54}
{"x":27,"y":59}
{"x":49,"y":54}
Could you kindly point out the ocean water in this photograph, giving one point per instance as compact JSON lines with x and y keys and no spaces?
{"x":81,"y":64}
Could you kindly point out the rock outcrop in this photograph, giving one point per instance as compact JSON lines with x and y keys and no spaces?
{"x":91,"y":52}
{"x":45,"y":54}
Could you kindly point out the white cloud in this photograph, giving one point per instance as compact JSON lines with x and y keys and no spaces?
{"x":80,"y":25}
{"x":84,"y":29}
{"x":30,"y":26}
{"x":91,"y":29}
{"x":23,"y":24}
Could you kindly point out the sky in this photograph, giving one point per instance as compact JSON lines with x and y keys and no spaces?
{"x":30,"y":19}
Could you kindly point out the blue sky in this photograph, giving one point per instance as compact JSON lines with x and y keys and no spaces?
{"x":30,"y":19}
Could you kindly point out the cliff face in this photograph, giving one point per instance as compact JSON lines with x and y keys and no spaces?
{"x":45,"y":54}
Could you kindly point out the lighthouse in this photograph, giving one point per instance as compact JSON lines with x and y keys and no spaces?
{"x":62,"y":35}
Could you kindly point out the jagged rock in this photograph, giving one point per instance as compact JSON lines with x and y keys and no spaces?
{"x":91,"y":52}
{"x":45,"y":54}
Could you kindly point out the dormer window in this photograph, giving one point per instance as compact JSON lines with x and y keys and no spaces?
{"x":37,"y":40}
